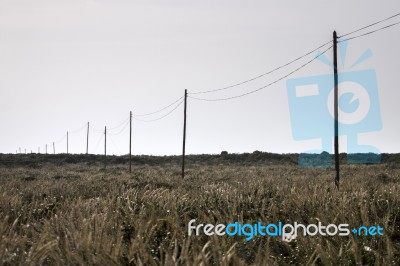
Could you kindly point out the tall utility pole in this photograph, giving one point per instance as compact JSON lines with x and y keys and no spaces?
{"x":46,"y":148}
{"x":184,"y":136}
{"x":87,"y":139}
{"x":130,"y":144}
{"x":67,"y":142}
{"x":54,"y":148}
{"x":105,"y":147}
{"x":336,"y":110}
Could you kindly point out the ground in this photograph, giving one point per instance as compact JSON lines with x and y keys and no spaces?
{"x":70,"y":210}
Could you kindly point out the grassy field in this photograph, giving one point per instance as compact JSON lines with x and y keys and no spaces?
{"x":59,"y":210}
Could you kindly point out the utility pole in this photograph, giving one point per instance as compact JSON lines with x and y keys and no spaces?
{"x":54,"y":148}
{"x":67,"y":142}
{"x":46,"y":148}
{"x":130,"y":144}
{"x":336,"y":110}
{"x":39,"y":150}
{"x":87,"y":139}
{"x":105,"y":147}
{"x":20,"y":150}
{"x":184,"y":136}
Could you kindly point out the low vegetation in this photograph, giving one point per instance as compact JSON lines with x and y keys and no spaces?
{"x":68,"y":210}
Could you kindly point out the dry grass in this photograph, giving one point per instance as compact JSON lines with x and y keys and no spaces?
{"x":79,"y":214}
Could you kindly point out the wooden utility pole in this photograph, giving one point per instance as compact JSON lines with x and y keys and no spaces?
{"x":105,"y":147}
{"x":184,"y":136}
{"x":54,"y":148}
{"x":130,"y":144}
{"x":336,"y":109}
{"x":87,"y":139}
{"x":67,"y":142}
{"x":46,"y":148}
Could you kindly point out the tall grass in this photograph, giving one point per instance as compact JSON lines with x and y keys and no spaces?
{"x":80,"y":214}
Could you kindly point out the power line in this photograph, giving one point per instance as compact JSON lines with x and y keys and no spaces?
{"x":118,"y":126}
{"x":262,"y":75}
{"x":73,"y":132}
{"x":268,"y":85}
{"x":78,"y":130}
{"x":160,"y":110}
{"x":125,"y":122}
{"x":61,"y":139}
{"x":370,"y":25}
{"x":370,"y":32}
{"x":101,"y":131}
{"x":141,"y":120}
{"x":97,"y":131}
{"x":122,"y":130}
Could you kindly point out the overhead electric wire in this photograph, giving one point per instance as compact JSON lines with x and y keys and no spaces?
{"x":122,"y":130}
{"x":152,"y":120}
{"x":77,"y":130}
{"x":264,"y":74}
{"x":160,"y":110}
{"x":261,"y":88}
{"x":101,"y":131}
{"x":97,"y":131}
{"x":370,"y":32}
{"x":370,"y":25}
{"x":65,"y":135}
{"x":61,"y":139}
{"x":119,"y":125}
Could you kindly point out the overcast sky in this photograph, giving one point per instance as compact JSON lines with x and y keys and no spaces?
{"x":66,"y":62}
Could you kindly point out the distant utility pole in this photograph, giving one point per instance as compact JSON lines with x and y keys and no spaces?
{"x":130,"y":143}
{"x":67,"y":142}
{"x":39,"y":150}
{"x":54,"y":148}
{"x":184,"y":136}
{"x":20,"y":150}
{"x":46,"y":148}
{"x":105,"y":147}
{"x":25,"y":151}
{"x":336,"y":109}
{"x":87,"y":139}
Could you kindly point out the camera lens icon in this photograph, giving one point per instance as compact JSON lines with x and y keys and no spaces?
{"x":354,"y":103}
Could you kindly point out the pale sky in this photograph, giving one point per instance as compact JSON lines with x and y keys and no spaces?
{"x":66,"y":62}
